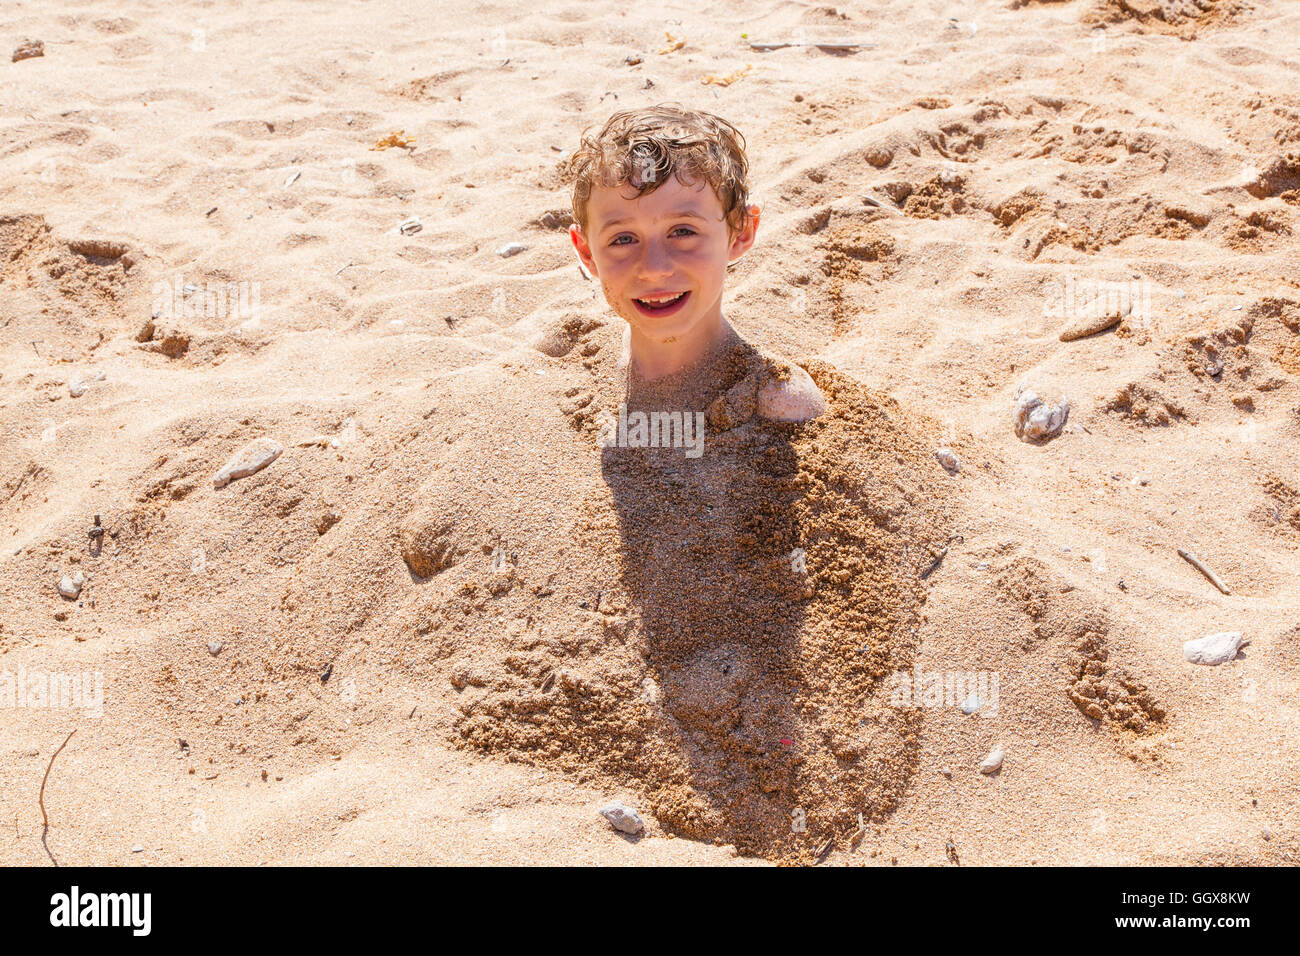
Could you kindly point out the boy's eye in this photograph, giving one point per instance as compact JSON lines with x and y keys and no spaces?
{"x":679,"y":231}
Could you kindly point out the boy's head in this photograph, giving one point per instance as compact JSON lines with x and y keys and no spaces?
{"x":661,"y":207}
{"x":641,"y":149}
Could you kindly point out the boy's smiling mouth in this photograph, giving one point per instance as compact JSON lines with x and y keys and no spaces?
{"x":662,"y":304}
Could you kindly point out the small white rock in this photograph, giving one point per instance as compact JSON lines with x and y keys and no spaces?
{"x":511,"y":249}
{"x":77,"y":387}
{"x":970,"y":704}
{"x":947,"y":772}
{"x":1213,"y":649}
{"x":948,"y":459}
{"x":650,"y":691}
{"x":623,"y":818}
{"x":249,"y":460}
{"x":214,"y":647}
{"x":992,"y":763}
{"x":70,"y":586}
{"x":410,"y":226}
{"x":137,"y":849}
{"x":1036,"y":420}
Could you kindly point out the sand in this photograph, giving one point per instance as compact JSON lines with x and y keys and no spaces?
{"x":444,"y":624}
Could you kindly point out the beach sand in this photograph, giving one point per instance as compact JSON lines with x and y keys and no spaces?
{"x":444,"y":625}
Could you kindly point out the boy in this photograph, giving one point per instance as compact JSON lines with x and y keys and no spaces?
{"x":660,"y":204}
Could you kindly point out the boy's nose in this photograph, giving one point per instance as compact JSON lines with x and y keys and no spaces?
{"x":656,"y":261}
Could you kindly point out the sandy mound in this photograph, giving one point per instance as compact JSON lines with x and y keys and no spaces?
{"x":750,"y":606}
{"x":711,"y":633}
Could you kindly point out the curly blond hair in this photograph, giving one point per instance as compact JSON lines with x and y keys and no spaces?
{"x":641,"y":148}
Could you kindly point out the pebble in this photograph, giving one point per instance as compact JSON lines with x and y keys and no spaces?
{"x":623,"y":818}
{"x":555,"y":219}
{"x":79,"y":385}
{"x":650,"y":691}
{"x":1266,"y":833}
{"x":410,"y":226}
{"x":970,"y":704}
{"x":70,"y":586}
{"x":511,"y":249}
{"x":249,"y":460}
{"x":137,"y":849}
{"x":1037,"y":420}
{"x":1213,"y":649}
{"x":948,"y":459}
{"x":992,"y":763}
{"x":879,"y":156}
{"x":29,"y":49}
{"x":214,"y":647}
{"x":947,"y":772}
{"x":1092,"y":324}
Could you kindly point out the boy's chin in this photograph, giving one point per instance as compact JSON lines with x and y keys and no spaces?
{"x":667,"y":335}
{"x":668,"y":331}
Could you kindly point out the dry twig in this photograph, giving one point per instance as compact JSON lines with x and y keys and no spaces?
{"x":45,"y":820}
{"x":1199,"y":565}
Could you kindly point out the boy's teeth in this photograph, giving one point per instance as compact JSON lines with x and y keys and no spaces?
{"x":669,"y":298}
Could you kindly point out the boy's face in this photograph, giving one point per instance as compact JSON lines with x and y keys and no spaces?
{"x":670,"y":242}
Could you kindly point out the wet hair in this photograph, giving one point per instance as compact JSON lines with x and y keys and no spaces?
{"x":641,"y":148}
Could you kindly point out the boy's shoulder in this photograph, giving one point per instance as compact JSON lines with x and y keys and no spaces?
{"x":787,"y":393}
{"x":771,"y":388}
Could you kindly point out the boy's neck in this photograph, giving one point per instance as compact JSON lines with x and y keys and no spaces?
{"x":654,"y":359}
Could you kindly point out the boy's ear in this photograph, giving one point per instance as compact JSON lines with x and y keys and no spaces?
{"x":745,"y":238}
{"x":583,"y":250}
